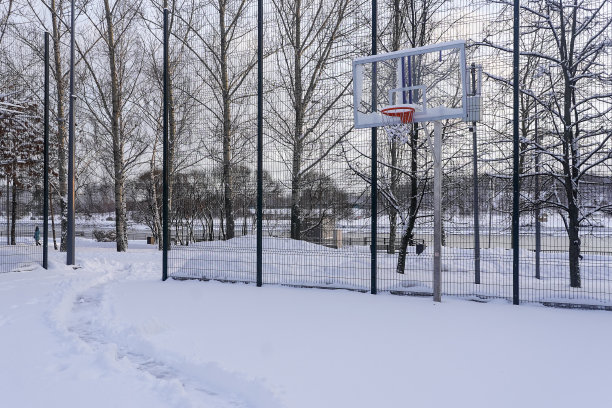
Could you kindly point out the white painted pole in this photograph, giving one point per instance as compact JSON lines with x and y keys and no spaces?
{"x":437,"y":266}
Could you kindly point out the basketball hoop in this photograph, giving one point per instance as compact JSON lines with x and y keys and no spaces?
{"x":404,"y":112}
{"x":398,"y":130}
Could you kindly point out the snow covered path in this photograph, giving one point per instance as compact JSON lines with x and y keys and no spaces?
{"x":111,"y":334}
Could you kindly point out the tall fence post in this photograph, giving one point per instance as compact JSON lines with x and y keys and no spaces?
{"x":437,"y":197}
{"x":476,"y":198}
{"x":374,"y":176}
{"x":166,"y":170}
{"x":8,"y":219}
{"x":70,"y":247}
{"x":45,"y":260}
{"x":259,"y":142}
{"x":538,"y":231}
{"x":538,"y":238}
{"x":515,"y":171}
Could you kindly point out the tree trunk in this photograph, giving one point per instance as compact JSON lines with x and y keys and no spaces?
{"x":171,"y":132}
{"x":401,"y":258}
{"x":244,"y":220}
{"x":221,"y":228}
{"x":61,"y":128}
{"x":171,"y":139}
{"x":574,"y":246}
{"x":296,"y":181}
{"x":119,"y":170}
{"x":392,"y":211}
{"x":211,"y":227}
{"x":571,"y":155}
{"x":227,"y":130}
{"x":296,"y":165}
{"x":14,"y":210}
{"x":157,"y":223}
{"x":408,"y":232}
{"x":52,"y":220}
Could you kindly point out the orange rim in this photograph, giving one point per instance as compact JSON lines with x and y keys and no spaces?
{"x":405,"y":113}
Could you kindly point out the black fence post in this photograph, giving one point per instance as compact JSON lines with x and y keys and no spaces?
{"x":45,"y":260}
{"x":538,"y":232}
{"x":515,"y":174}
{"x":259,"y":142}
{"x":8,"y":219}
{"x":166,"y":175}
{"x":374,"y":169}
{"x":475,"y":191}
{"x":70,"y":247}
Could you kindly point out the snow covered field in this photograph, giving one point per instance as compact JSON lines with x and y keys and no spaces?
{"x":111,"y":334}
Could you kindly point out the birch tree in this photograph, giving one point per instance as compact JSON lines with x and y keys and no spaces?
{"x":49,"y":14}
{"x":309,"y":91}
{"x":114,"y":67}
{"x":182,"y":105}
{"x":222,"y":55}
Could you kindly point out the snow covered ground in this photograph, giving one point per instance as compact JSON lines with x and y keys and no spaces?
{"x":111,"y":334}
{"x":295,"y":262}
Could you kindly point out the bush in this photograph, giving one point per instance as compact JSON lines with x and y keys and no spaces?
{"x":105,"y":236}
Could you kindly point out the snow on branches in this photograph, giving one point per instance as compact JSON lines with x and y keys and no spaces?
{"x":21,"y":141}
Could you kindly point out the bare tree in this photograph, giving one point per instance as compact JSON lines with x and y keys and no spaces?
{"x":309,"y":90}
{"x":575,"y":109}
{"x":59,"y":30}
{"x":220,"y":39}
{"x":114,"y":66}
{"x":181,"y":102}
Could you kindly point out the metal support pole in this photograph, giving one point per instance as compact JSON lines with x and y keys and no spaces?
{"x":374,"y":181}
{"x":166,"y":170}
{"x":437,"y":260}
{"x":538,"y":242}
{"x":8,"y":219}
{"x":515,"y":174}
{"x":475,"y":198}
{"x":45,"y":260}
{"x":259,"y":142}
{"x":70,"y":247}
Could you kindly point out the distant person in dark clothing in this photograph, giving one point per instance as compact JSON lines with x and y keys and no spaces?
{"x":37,"y":236}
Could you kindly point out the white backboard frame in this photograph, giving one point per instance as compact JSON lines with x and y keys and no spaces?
{"x":426,"y":113}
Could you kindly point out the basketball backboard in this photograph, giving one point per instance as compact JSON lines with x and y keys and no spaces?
{"x":432,"y":77}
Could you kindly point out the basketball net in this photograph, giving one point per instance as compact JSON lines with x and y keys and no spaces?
{"x":395,"y":130}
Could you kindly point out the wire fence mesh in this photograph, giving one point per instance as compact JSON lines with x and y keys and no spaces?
{"x":213,"y":133}
{"x":21,"y":152}
{"x":317,"y":167}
